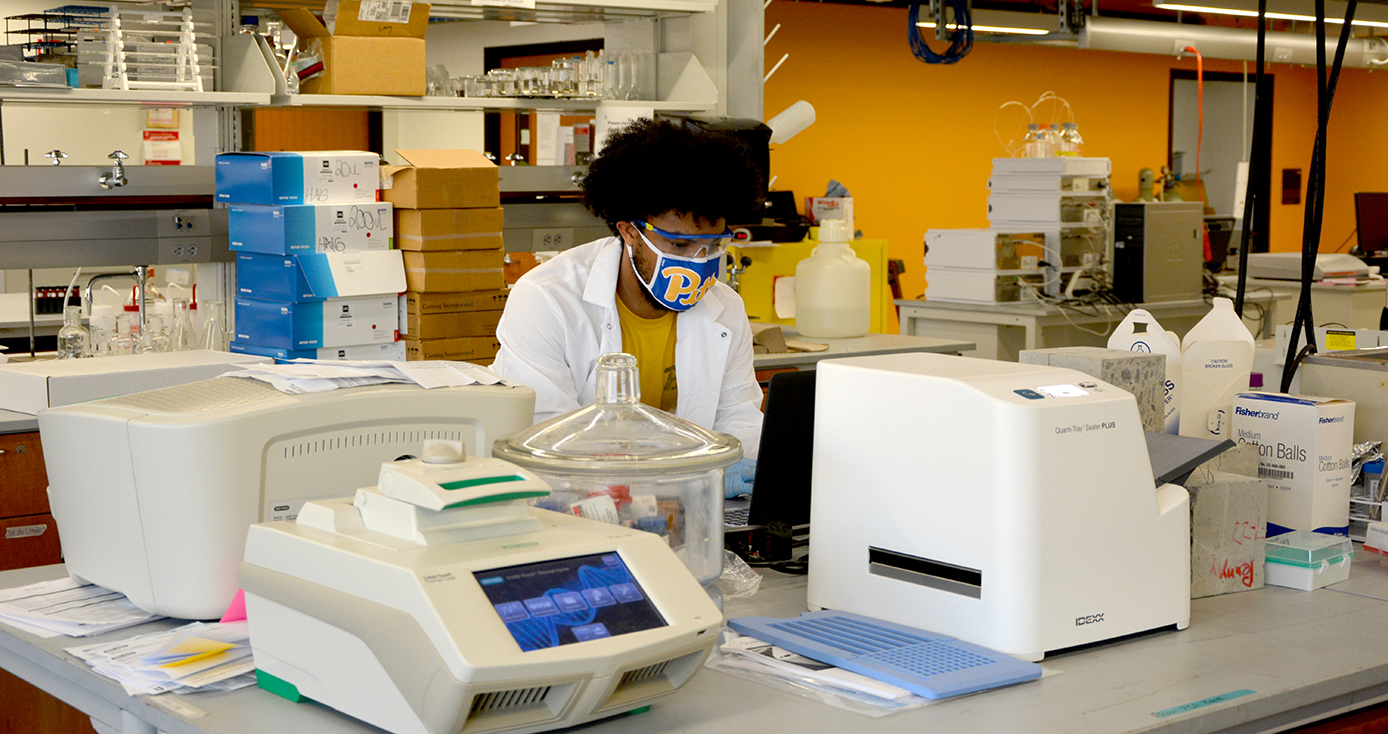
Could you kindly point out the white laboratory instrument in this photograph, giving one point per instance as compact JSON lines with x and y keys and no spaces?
{"x":440,"y":602}
{"x":1287,"y":266}
{"x":1007,"y":505}
{"x":153,"y":491}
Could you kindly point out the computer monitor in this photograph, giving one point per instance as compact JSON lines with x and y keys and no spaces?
{"x":1371,"y":217}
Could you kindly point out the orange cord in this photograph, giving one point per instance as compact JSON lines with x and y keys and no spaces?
{"x":1200,"y":104}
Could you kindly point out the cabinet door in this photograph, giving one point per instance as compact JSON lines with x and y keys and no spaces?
{"x":24,"y":490}
{"x":31,"y":540}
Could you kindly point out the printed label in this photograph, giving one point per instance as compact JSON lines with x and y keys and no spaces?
{"x":385,"y":11}
{"x":24,"y":531}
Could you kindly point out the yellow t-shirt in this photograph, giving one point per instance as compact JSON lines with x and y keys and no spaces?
{"x":652,"y":342}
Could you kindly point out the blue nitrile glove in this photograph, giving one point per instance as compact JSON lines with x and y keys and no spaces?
{"x":737,"y":479}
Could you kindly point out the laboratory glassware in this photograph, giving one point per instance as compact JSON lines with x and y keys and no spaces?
{"x":73,"y":339}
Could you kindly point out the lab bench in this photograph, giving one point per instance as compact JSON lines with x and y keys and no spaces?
{"x":1254,"y":661}
{"x":1001,"y":330}
{"x":863,"y":346}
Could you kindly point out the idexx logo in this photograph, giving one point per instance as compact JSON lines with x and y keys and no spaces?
{"x":1091,"y":619}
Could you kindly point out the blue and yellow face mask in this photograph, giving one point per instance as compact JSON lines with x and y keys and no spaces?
{"x":680,"y":281}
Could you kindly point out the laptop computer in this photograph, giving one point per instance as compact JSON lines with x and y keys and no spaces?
{"x":763,"y":526}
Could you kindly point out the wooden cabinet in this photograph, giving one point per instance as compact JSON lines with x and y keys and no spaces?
{"x":28,"y":535}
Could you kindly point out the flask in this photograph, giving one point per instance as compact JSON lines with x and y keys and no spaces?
{"x":73,"y":339}
{"x":122,"y":342}
{"x":181,"y":335}
{"x":1071,"y":144}
{"x":214,"y":337}
{"x":1216,"y":360}
{"x":833,"y":287}
{"x":1139,"y":332}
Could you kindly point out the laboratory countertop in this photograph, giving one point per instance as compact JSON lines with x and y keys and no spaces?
{"x":1254,"y":661}
{"x":12,"y":422}
{"x":862,"y":346}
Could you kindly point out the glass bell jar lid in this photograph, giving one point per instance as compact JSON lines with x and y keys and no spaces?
{"x":618,"y":434}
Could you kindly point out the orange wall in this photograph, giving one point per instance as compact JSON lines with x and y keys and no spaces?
{"x":914,"y":142}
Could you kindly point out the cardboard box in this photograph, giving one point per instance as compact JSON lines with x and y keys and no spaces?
{"x":365,"y":52}
{"x":1228,"y":524}
{"x":386,"y":352}
{"x":28,"y":387}
{"x":449,"y":229}
{"x":477,"y":349}
{"x":1141,"y":373}
{"x":416,"y":304}
{"x":442,"y":179}
{"x":305,"y":177}
{"x":458,"y":323}
{"x":311,"y":278}
{"x":1305,"y":447}
{"x":336,"y":322}
{"x":300,"y":230}
{"x":454,"y":270}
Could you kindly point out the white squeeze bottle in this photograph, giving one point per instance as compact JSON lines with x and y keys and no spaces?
{"x":1216,"y":359}
{"x":1139,"y":332}
{"x":833,"y":287}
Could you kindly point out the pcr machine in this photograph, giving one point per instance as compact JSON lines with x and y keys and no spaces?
{"x":438,"y":602}
{"x":153,"y":491}
{"x":1008,"y":505}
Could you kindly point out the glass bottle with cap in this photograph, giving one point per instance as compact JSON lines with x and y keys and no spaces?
{"x":627,"y":463}
{"x":74,"y":341}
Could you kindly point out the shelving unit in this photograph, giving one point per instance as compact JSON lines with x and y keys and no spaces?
{"x":140,"y":97}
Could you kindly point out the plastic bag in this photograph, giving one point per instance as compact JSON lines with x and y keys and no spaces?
{"x":738,"y":579}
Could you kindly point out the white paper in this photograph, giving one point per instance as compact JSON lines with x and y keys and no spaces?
{"x":789,"y":663}
{"x":311,"y":375}
{"x":64,"y":606}
{"x":135,"y":662}
{"x":783,"y":297}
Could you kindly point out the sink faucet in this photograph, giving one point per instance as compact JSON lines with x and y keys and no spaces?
{"x":141,"y":277}
{"x":116,"y":178}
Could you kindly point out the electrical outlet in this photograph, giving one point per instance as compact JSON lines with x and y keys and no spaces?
{"x":1281,"y":54}
{"x":558,"y":238}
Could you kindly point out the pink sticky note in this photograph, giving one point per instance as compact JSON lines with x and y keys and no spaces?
{"x":237,"y":610}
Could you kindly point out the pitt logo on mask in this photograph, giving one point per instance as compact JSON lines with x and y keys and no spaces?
{"x":684,"y":286}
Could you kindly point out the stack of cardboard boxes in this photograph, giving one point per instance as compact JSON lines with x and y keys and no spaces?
{"x":316,"y":275}
{"x":448,"y":225}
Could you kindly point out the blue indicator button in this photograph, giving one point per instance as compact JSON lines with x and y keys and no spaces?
{"x":611,"y":560}
{"x":570,"y":601}
{"x":591,"y":632}
{"x":626,"y":593}
{"x":599,"y":597}
{"x":541,"y":606}
{"x":491,"y":580}
{"x":1030,"y":394}
{"x":512,"y":611}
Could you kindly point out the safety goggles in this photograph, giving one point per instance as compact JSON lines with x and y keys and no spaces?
{"x":699,"y":246}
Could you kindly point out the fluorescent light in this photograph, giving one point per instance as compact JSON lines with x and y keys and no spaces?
{"x":1365,"y":14}
{"x":989,"y":29}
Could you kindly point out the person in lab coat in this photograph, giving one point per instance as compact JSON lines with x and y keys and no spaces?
{"x":667,"y":193}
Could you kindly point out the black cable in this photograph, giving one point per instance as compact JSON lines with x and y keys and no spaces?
{"x":961,"y":40}
{"x":1252,"y":195}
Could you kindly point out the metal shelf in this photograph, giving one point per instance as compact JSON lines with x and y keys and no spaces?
{"x":481,"y":104}
{"x":146,"y":98}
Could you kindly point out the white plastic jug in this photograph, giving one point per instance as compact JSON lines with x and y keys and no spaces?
{"x":833,"y":287}
{"x":1139,"y":332}
{"x":1216,"y":359}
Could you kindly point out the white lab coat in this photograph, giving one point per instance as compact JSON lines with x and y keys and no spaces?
{"x":562,"y":316}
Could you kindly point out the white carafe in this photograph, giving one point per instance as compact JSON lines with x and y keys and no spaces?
{"x":833,"y":287}
{"x":1216,"y":359}
{"x":1140,"y":332}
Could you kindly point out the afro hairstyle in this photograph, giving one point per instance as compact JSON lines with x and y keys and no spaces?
{"x":649,"y":167}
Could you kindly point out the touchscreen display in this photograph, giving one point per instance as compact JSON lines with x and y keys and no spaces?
{"x":568,"y":600}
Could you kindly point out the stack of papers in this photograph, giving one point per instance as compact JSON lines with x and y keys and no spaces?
{"x":66,"y":607}
{"x":313,"y":375}
{"x":777,"y":662}
{"x":194,"y":657}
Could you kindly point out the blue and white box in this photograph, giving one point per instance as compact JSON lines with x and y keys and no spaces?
{"x":1305,"y":454}
{"x":311,"y":228}
{"x":336,"y":322}
{"x":385,"y":352}
{"x":305,"y":177}
{"x":315,"y":277}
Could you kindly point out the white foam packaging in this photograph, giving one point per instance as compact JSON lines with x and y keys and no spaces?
{"x":1305,"y":446}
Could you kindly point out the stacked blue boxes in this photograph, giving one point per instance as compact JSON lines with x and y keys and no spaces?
{"x":316,"y":269}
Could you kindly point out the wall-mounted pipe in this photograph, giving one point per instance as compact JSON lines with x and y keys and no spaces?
{"x":1151,"y":37}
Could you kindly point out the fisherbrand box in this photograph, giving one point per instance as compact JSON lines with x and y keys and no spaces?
{"x":297,"y":230}
{"x":305,"y":177}
{"x":1305,"y":451}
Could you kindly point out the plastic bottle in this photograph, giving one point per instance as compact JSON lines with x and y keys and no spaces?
{"x":1031,"y":144}
{"x":1071,"y":144}
{"x":833,"y":287}
{"x":1216,"y":361}
{"x":73,"y":339}
{"x":1139,"y":332}
{"x":103,"y":327}
{"x":1051,"y":141}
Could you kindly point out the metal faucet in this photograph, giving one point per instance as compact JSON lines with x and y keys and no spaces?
{"x":116,"y":178}
{"x":57,"y":155}
{"x":736,"y":267}
{"x":141,"y":277}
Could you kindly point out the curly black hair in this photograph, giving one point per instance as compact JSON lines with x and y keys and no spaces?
{"x":652,"y":167}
